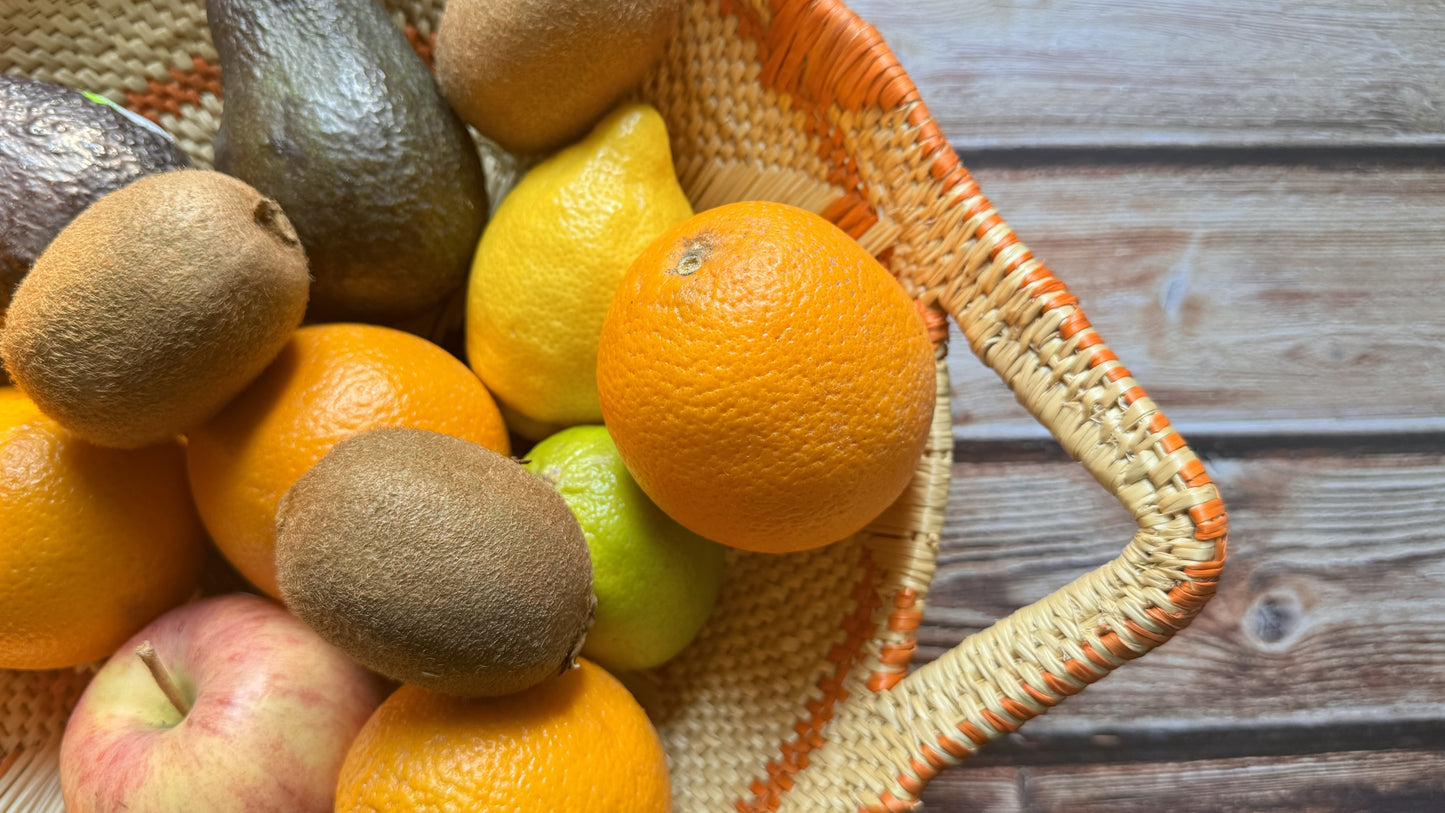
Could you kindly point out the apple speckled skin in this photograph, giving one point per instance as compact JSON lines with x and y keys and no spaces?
{"x":273,"y":710}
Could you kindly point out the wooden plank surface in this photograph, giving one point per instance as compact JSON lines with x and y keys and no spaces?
{"x":1289,"y":298}
{"x":1028,"y":74}
{"x":1320,"y":614}
{"x":1346,"y":781}
{"x":1247,"y":198}
{"x":1328,"y":636}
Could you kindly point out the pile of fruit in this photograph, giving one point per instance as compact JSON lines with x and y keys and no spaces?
{"x":295,"y":532}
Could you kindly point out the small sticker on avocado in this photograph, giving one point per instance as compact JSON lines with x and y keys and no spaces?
{"x":138,"y":120}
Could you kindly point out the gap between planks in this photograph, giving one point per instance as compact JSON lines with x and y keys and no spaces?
{"x":1347,"y":781}
{"x":1328,"y":614}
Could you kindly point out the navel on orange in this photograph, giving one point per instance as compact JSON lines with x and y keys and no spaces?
{"x":767,"y":382}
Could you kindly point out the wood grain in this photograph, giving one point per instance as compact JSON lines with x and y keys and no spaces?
{"x":1287,"y":298}
{"x":1347,"y":781}
{"x":1247,"y":199}
{"x":1330,"y":609}
{"x":1011,"y":74}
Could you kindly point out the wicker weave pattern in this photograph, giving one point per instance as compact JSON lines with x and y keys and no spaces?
{"x":33,"y":710}
{"x":781,"y":702}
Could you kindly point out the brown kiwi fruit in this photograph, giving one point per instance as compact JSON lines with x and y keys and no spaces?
{"x":155,"y":306}
{"x":535,"y":75}
{"x":437,"y":562}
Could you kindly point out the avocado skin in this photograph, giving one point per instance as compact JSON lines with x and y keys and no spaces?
{"x":59,"y":153}
{"x":330,"y":112}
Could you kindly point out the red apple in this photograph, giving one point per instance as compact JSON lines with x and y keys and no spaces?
{"x":257,"y":717}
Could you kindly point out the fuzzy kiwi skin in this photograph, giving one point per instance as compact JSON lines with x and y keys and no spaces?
{"x":436,"y":562}
{"x":535,"y":75}
{"x":155,"y":306}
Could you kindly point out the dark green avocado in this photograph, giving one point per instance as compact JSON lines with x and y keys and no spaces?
{"x":329,"y":111}
{"x":61,"y":150}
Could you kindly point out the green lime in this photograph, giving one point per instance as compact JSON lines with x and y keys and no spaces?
{"x":655,"y":580}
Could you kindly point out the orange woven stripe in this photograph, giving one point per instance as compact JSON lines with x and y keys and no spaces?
{"x":895,"y":88}
{"x":1190,"y":598}
{"x":1017,"y":710}
{"x":1080,"y":670}
{"x":857,"y":216}
{"x":1174,"y":621}
{"x":1097,"y":659}
{"x":1210,"y":520}
{"x":998,"y":723}
{"x":1052,"y":285}
{"x":915,"y":782}
{"x":1074,"y":323}
{"x":424,"y":46}
{"x":991,"y":222}
{"x":180,"y":88}
{"x":976,"y":208}
{"x":905,"y":599}
{"x":822,"y":55}
{"x":1206,"y":571}
{"x":1158,"y":423}
{"x":973,"y":733}
{"x":1171,"y":443}
{"x":9,"y":759}
{"x":935,"y":760}
{"x":185,"y":88}
{"x":1038,"y":273}
{"x":898,"y":654}
{"x":904,"y":620}
{"x":945,"y":167}
{"x":1130,"y":395}
{"x":890,"y":804}
{"x":1059,"y":686}
{"x":1102,"y":356}
{"x":793,"y":756}
{"x":883,"y":681}
{"x":1116,"y":646}
{"x":1008,"y":239}
{"x":1064,"y":299}
{"x":1193,"y":474}
{"x":922,"y":772}
{"x":953,"y":747}
{"x":1017,"y":260}
{"x":750,"y":26}
{"x":935,"y":320}
{"x":1154,"y":638}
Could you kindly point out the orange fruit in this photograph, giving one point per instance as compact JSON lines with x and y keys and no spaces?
{"x":96,"y":543}
{"x":577,"y":742}
{"x":331,"y":381}
{"x":767,"y":382}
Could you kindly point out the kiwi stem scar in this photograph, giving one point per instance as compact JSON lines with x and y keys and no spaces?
{"x":147,"y":654}
{"x":269,"y":216}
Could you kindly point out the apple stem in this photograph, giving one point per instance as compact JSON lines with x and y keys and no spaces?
{"x":147,"y":654}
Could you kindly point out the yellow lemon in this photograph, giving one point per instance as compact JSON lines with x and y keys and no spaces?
{"x":550,"y":260}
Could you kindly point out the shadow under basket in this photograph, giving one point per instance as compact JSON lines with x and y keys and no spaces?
{"x":797,"y":695}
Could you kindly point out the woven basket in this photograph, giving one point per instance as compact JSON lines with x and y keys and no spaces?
{"x":796,"y":696}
